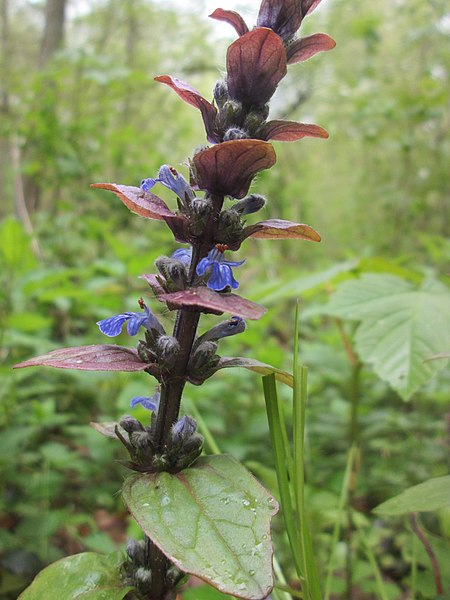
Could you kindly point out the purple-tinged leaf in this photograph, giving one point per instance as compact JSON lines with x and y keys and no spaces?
{"x":278,"y":229}
{"x":142,"y":203}
{"x":195,"y":99}
{"x":179,"y":226}
{"x":283,"y":16}
{"x":227,"y":169}
{"x":204,"y":298}
{"x":304,"y":48}
{"x":257,"y":367}
{"x":256,"y":63}
{"x":106,"y":357}
{"x":232,"y":18}
{"x":309,"y":5}
{"x":153,"y":282}
{"x":109,"y":429}
{"x":291,"y":131}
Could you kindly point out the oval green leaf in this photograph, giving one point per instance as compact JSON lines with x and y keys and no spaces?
{"x":432,"y":494}
{"x":86,"y":576}
{"x":212,"y":521}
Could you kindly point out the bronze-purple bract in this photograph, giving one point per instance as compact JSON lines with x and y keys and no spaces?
{"x":256,"y":63}
{"x":284,"y":16}
{"x":211,"y":301}
{"x":232,"y":18}
{"x":290,"y":131}
{"x":194,"y":98}
{"x":146,"y":204}
{"x":227,"y":169}
{"x":105,"y":357}
{"x":278,"y":229}
{"x":304,"y":48}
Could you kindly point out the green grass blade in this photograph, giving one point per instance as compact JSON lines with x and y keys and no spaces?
{"x":337,"y":527}
{"x":273,"y":416}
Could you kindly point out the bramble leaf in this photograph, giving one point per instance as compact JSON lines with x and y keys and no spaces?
{"x":212,"y":520}
{"x":86,"y":576}
{"x":105,"y":357}
{"x":401,"y":328}
{"x":432,"y":494}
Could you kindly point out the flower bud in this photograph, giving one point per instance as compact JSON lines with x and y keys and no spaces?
{"x":136,"y":552}
{"x":143,"y":577}
{"x":130,"y":424}
{"x":229,"y":228}
{"x":167,"y":348}
{"x":256,"y":118}
{"x":235,"y":133}
{"x":225,"y":329}
{"x":141,"y":440}
{"x":202,"y":357}
{"x":182,"y":430}
{"x":220,"y":93}
{"x":250,"y":204}
{"x":200,"y":210}
{"x":173,"y":271}
{"x":144,"y":353}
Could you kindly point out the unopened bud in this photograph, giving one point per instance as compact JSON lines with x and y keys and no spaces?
{"x":168,"y":349}
{"x":250,"y":204}
{"x":143,"y":577}
{"x":256,"y":118}
{"x":174,"y":272}
{"x":229,"y":228}
{"x":130,"y":424}
{"x":136,"y":552}
{"x":220,"y":93}
{"x":183,"y":429}
{"x":199,"y":213}
{"x":235,"y":133}
{"x":144,"y":352}
{"x":233,"y":326}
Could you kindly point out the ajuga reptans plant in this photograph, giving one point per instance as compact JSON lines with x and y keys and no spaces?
{"x":202,"y":515}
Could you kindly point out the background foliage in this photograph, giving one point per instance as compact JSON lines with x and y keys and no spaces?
{"x":69,"y":256}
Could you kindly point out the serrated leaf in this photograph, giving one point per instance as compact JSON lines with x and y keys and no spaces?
{"x":86,"y":576}
{"x":212,"y":521}
{"x":401,"y":328}
{"x":432,"y":494}
{"x":258,"y":367}
{"x":106,"y":357}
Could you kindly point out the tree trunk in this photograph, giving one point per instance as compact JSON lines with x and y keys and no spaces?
{"x":52,"y":39}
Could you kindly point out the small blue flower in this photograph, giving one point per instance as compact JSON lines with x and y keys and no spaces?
{"x":184,"y":255}
{"x":148,"y":402}
{"x":183,"y":429}
{"x":171,"y":179}
{"x":113,"y":325}
{"x":221,"y":274}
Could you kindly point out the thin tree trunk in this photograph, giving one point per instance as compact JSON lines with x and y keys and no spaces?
{"x":53,"y":36}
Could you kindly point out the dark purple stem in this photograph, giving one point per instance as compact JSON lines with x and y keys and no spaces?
{"x":172,"y":384}
{"x":428,"y":549}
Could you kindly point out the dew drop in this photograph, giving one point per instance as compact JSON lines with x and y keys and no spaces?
{"x":79,"y":362}
{"x":246,"y":502}
{"x":165,"y":500}
{"x":146,"y":504}
{"x":264,"y":537}
{"x":251,"y":572}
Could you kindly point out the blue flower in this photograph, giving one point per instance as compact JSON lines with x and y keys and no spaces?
{"x":148,"y":402}
{"x":221,"y":274}
{"x":113,"y":325}
{"x":171,"y":179}
{"x":184,"y":255}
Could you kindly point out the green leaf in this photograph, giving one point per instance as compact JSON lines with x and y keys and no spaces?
{"x":212,"y":521}
{"x":86,"y":576}
{"x":432,"y":494}
{"x":401,"y":328}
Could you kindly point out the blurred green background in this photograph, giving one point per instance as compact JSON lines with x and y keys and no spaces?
{"x":78,"y":105}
